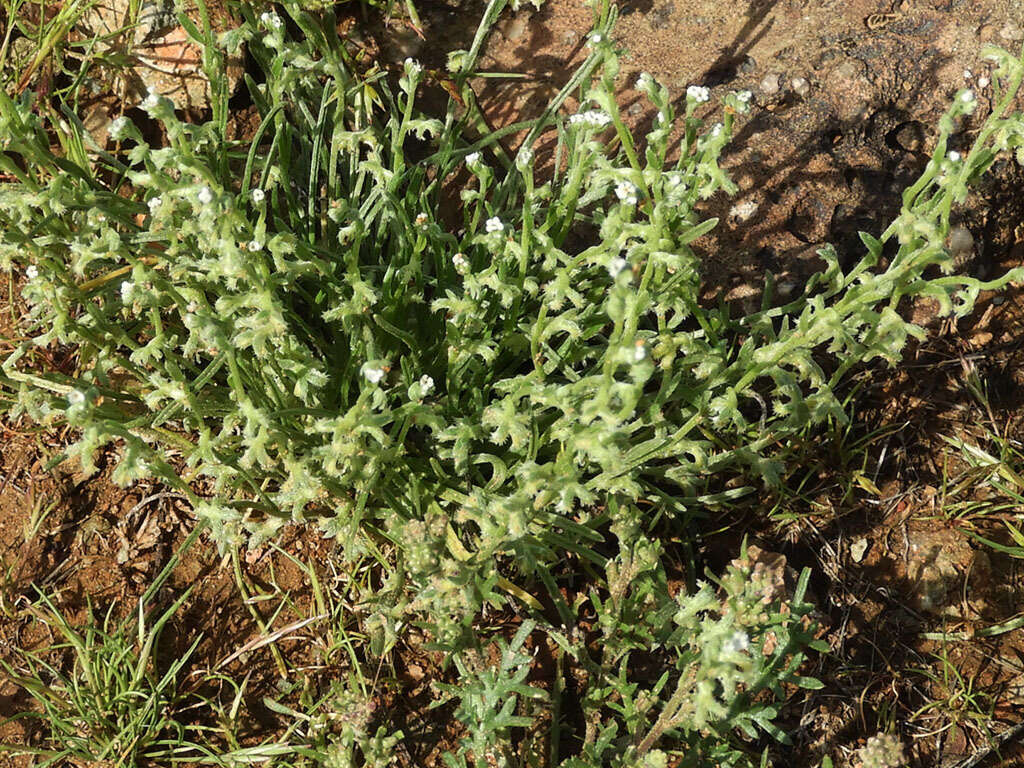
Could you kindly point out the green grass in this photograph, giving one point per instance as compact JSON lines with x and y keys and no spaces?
{"x":109,"y":701}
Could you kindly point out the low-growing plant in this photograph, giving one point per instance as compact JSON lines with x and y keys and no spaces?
{"x":482,"y":390}
{"x":666,"y":676}
{"x":110,"y":702}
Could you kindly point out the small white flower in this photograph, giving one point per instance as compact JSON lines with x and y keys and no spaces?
{"x":75,"y":397}
{"x":716,"y":130}
{"x":596,"y":38}
{"x":472,"y":158}
{"x":205,"y":196}
{"x":643,"y":81}
{"x":626,"y":192}
{"x":426,"y":384}
{"x":616,"y":266}
{"x":524,"y":159}
{"x":954,"y":156}
{"x":258,"y":195}
{"x":117,"y":127}
{"x":744,"y":97}
{"x":698,"y":93}
{"x":31,"y":271}
{"x":255,"y":246}
{"x":127,"y":289}
{"x":271,"y":20}
{"x":373,"y":375}
{"x":154,"y":203}
{"x":639,"y":352}
{"x":151,"y":100}
{"x":494,"y":224}
{"x":592,"y":117}
{"x":967,"y":96}
{"x":461,"y":263}
{"x":674,"y":180}
{"x":738,"y":642}
{"x":421,"y":220}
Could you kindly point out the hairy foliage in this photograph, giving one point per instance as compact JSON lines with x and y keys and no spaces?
{"x":485,"y":388}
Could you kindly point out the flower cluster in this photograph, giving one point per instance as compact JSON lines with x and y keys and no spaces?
{"x":593,"y":118}
{"x":626,"y":192}
{"x":698,"y":93}
{"x":882,"y":751}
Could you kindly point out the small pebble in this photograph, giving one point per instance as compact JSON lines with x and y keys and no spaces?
{"x":1011,"y":32}
{"x":961,"y":245}
{"x":987,"y":33}
{"x":770,"y":84}
{"x":742,"y":212}
{"x":800,"y":87}
{"x":514,"y":28}
{"x":858,"y":548}
{"x":786,"y":288}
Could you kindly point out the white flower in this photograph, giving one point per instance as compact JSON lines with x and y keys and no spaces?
{"x":494,"y":224}
{"x":421,"y":220}
{"x":258,"y":195}
{"x":151,"y":100}
{"x":524,"y":159}
{"x":643,"y":81}
{"x":127,"y":288}
{"x":117,"y":127}
{"x":716,"y":130}
{"x":373,"y":375}
{"x":154,"y":203}
{"x":744,"y":97}
{"x":674,"y":180}
{"x":255,"y":246}
{"x":426,"y":384}
{"x":616,"y":266}
{"x":639,"y":352}
{"x":205,"y":196}
{"x":954,"y":156}
{"x":967,"y":96}
{"x":596,"y":38}
{"x":75,"y":397}
{"x":738,"y":642}
{"x":461,"y":263}
{"x":698,"y":93}
{"x":31,"y":271}
{"x":413,"y":68}
{"x":271,"y":20}
{"x":592,"y":117}
{"x":472,"y":158}
{"x":626,"y":192}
